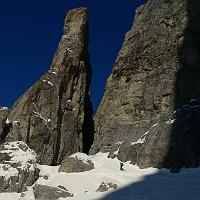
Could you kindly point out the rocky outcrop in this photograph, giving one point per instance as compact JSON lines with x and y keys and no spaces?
{"x":54,"y":117}
{"x":45,"y":192}
{"x":3,"y":117}
{"x":78,"y":162}
{"x":156,"y":73}
{"x":4,"y":111}
{"x":104,"y":187}
{"x":18,"y":167}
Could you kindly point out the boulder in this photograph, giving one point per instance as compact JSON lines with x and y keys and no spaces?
{"x":78,"y":162}
{"x":44,"y":192}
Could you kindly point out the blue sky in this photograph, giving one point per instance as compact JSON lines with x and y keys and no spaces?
{"x":30,"y":32}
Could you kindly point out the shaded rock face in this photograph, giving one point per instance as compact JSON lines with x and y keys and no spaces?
{"x":18,"y":167}
{"x":156,"y":73}
{"x":44,"y":192}
{"x":55,"y":115}
{"x":172,"y":142}
{"x":76,"y":163}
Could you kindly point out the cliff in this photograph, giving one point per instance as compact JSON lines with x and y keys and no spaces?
{"x":149,"y":114}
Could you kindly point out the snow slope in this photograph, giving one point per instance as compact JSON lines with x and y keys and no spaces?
{"x":133,"y":183}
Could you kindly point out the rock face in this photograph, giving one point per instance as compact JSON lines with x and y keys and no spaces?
{"x":54,"y":117}
{"x":78,"y":162}
{"x":17,"y":167}
{"x":3,"y":117}
{"x":142,"y":114}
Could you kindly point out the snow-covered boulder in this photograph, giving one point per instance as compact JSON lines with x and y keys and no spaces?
{"x":78,"y":162}
{"x":17,"y":167}
{"x":45,"y":192}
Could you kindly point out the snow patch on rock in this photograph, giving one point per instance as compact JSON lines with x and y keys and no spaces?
{"x":4,"y":108}
{"x":7,"y":171}
{"x":133,"y":183}
{"x":81,"y":156}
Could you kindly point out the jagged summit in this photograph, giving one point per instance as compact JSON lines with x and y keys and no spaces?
{"x":76,"y":22}
{"x":75,"y":37}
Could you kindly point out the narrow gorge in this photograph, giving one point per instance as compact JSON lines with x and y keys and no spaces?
{"x":149,"y":114}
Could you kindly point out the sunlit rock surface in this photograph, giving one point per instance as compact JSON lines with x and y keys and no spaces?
{"x":156,"y":73}
{"x":55,"y":115}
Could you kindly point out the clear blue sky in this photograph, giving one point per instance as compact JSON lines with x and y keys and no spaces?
{"x":30,"y":32}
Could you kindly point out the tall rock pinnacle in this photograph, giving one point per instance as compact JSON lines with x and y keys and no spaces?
{"x":54,"y":117}
{"x":150,"y":111}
